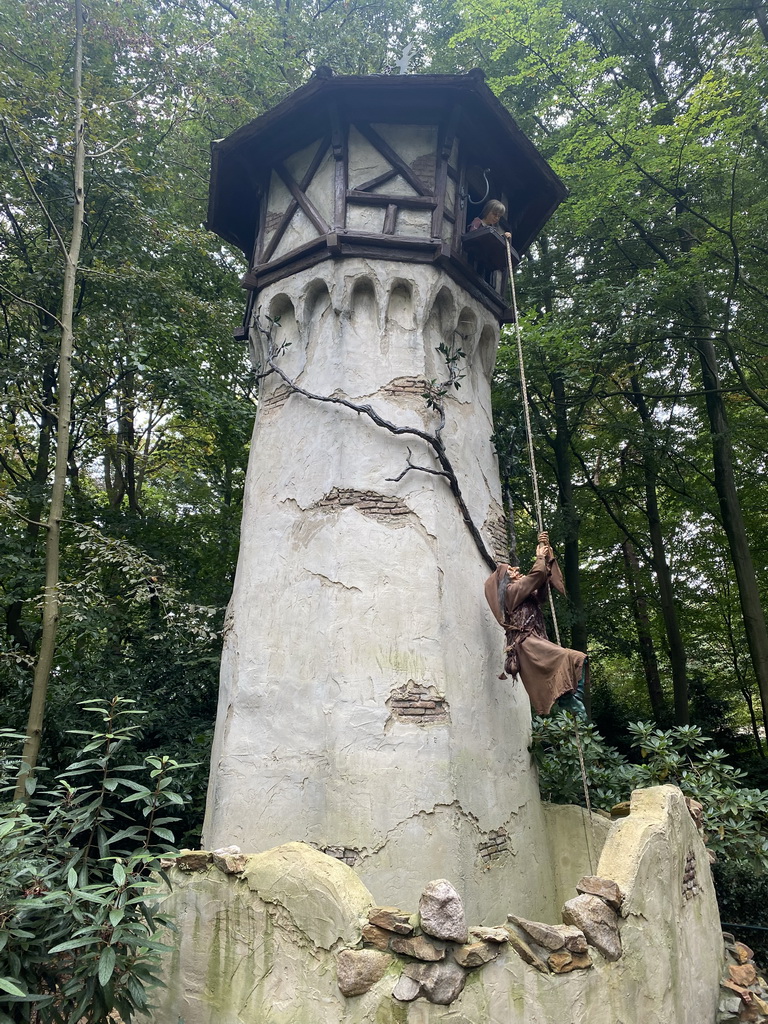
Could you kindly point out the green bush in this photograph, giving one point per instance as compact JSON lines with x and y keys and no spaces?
{"x":742,"y":895}
{"x":735,"y":816}
{"x":77,"y":894}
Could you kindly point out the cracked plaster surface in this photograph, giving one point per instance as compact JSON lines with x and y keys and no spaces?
{"x":333,"y":610}
{"x":252,"y":962}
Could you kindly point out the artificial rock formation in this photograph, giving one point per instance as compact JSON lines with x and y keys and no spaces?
{"x":288,"y":941}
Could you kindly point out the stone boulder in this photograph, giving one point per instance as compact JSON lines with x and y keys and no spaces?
{"x":406,"y":989}
{"x":483,"y":934}
{"x":417,"y":946}
{"x":607,"y":890}
{"x":193,"y":860}
{"x":475,"y":954}
{"x":439,"y":983}
{"x":392,"y":919}
{"x":552,"y":936}
{"x":357,"y":970}
{"x":376,"y":937}
{"x":598,"y":921}
{"x":230,"y":860}
{"x":526,"y":954}
{"x":565,"y":962}
{"x":442,"y":913}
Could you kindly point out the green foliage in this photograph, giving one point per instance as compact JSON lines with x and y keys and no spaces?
{"x":735,"y":816}
{"x":742,"y":895}
{"x":163,"y":397}
{"x":76,"y":888}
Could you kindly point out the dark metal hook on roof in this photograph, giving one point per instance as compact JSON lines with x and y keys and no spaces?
{"x":476,"y":202}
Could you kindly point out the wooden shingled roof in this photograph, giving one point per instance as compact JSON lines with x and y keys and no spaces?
{"x":241,"y":162}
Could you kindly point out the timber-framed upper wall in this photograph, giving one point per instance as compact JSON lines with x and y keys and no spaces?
{"x":384,"y":167}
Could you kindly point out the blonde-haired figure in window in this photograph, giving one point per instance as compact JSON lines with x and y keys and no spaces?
{"x":492,"y":213}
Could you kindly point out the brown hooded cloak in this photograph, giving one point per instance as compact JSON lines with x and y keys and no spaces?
{"x":547,"y":670}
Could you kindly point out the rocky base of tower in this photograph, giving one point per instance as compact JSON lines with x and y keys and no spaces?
{"x":292,"y":936}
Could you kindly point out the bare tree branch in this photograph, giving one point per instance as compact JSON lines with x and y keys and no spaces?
{"x":433,"y":441}
{"x":28,"y":302}
{"x":33,"y":190}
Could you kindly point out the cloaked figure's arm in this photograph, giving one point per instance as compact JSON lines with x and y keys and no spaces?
{"x":519,"y":587}
{"x":508,"y":587}
{"x":543,"y":571}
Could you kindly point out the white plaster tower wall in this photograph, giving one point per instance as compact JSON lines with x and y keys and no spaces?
{"x":358,"y":604}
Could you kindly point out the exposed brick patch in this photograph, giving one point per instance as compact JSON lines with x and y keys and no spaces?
{"x":494,"y":845}
{"x":419,"y":704}
{"x":278,"y":397}
{"x":424,"y":168}
{"x":690,"y":883}
{"x":344,"y":853}
{"x":407,"y":386}
{"x":380,"y":506}
{"x":495,"y":527}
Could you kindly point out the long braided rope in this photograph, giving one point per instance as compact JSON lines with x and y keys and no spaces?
{"x":540,"y":524}
{"x":528,"y":431}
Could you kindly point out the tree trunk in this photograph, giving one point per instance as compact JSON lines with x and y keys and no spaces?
{"x":14,"y":611}
{"x":728,"y":497}
{"x":571,"y":522}
{"x":126,"y":439}
{"x":677,"y":655}
{"x":51,"y":591}
{"x":761,"y":17}
{"x":645,"y":639}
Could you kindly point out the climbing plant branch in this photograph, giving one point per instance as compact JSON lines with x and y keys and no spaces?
{"x":432,"y":440}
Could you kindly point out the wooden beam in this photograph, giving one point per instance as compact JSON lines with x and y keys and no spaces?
{"x":379,"y":199}
{"x":393,"y":158}
{"x":390,"y":220}
{"x":307,"y":206}
{"x":441,"y":169}
{"x":380,"y":179}
{"x":293,"y":205}
{"x":340,"y":149}
{"x":274,"y":241}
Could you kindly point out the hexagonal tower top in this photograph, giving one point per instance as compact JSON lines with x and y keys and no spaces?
{"x":386,"y":167}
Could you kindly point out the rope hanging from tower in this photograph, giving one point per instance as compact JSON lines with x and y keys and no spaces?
{"x":527,"y":418}
{"x":540,"y":522}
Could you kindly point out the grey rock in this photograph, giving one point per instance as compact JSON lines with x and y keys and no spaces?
{"x":441,"y":983}
{"x":357,"y":970}
{"x":406,"y":988}
{"x":392,"y":919}
{"x":552,"y":936}
{"x":489,"y":934}
{"x":442,"y":912}
{"x":193,"y":860}
{"x":729,"y":1004}
{"x":475,"y":954}
{"x":605,"y":888}
{"x":230,"y":860}
{"x":598,"y":922}
{"x":565,"y":962}
{"x":418,"y":946}
{"x":376,"y":937}
{"x":526,"y":954}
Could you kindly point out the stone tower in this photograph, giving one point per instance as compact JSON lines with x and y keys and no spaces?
{"x":360,"y":708}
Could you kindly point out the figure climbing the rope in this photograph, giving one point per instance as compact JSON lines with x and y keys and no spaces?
{"x":549,"y":672}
